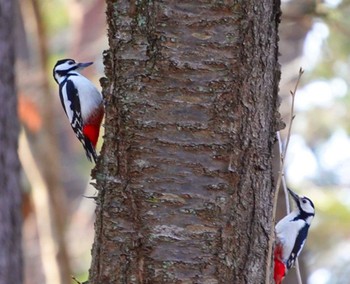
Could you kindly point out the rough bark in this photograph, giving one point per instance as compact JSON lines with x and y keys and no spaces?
{"x":10,"y":192}
{"x":185,"y":176}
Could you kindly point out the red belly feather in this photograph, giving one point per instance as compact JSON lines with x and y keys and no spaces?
{"x":91,"y":128}
{"x":280,"y":267}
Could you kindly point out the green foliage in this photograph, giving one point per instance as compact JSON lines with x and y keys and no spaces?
{"x":55,"y":13}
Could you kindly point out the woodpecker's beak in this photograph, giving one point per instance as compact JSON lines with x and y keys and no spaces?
{"x":294,"y":195}
{"x":83,"y":65}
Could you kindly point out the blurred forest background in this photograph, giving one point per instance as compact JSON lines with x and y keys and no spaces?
{"x":314,"y":35}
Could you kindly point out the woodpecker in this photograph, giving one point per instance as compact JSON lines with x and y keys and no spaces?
{"x":291,"y":234}
{"x":81,"y":102}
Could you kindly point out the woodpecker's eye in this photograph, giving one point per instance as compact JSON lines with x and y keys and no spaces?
{"x":71,"y":62}
{"x":304,"y":201}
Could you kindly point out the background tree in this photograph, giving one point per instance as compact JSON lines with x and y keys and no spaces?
{"x":185,"y":177}
{"x":10,"y":192}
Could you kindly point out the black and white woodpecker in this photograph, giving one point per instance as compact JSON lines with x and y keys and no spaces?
{"x":291,"y":234}
{"x":81,"y":102}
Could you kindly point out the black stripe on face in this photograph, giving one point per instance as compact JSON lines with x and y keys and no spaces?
{"x":65,"y":72}
{"x":62,"y":73}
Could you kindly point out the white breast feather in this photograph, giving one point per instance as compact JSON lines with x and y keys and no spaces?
{"x":89,"y":96}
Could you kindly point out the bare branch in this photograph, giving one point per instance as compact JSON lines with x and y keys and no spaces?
{"x":281,"y":179}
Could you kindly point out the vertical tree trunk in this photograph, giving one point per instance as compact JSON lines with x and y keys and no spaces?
{"x":10,"y":192}
{"x":185,"y":178}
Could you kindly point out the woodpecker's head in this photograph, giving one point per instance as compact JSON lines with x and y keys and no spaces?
{"x":64,"y":66}
{"x":305,"y":206}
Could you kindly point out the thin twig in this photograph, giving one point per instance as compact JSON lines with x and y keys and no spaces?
{"x":284,"y":183}
{"x":282,"y":158}
{"x":76,"y":280}
{"x":297,"y":270}
{"x":280,"y":179}
{"x":286,"y":195}
{"x":284,"y":152}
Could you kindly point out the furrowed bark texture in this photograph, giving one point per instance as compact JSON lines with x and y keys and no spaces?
{"x":185,"y":177}
{"x":10,"y":192}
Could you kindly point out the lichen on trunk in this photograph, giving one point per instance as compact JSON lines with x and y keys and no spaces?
{"x":185,"y":175}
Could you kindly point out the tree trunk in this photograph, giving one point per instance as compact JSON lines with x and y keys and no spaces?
{"x":10,"y":192}
{"x":185,"y":176}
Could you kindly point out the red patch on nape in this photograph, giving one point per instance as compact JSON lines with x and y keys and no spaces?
{"x":280,"y":267}
{"x":91,"y":132}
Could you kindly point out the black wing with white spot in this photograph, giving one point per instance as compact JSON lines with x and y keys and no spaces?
{"x":298,"y":245}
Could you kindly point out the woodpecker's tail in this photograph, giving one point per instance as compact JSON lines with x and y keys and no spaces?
{"x":90,"y":150}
